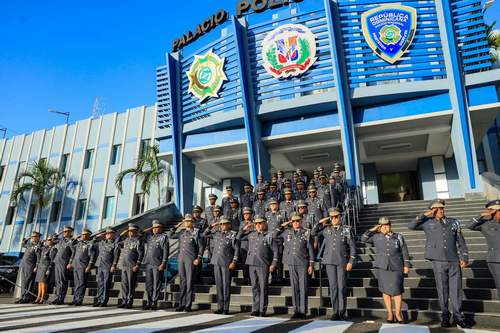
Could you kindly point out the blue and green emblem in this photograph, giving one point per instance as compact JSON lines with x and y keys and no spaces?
{"x":389,"y":30}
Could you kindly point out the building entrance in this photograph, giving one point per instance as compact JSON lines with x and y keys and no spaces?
{"x":398,"y":186}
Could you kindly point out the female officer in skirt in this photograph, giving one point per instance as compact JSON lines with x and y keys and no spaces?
{"x":392,"y":261}
{"x":44,"y":268}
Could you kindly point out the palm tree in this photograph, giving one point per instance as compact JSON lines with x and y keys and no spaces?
{"x":41,"y":179}
{"x":149,"y":170}
{"x":493,"y":40}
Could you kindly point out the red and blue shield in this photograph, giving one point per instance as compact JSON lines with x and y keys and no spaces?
{"x":389,"y":30}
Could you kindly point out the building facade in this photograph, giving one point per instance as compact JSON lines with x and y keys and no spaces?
{"x":404,"y":94}
{"x":89,"y":153}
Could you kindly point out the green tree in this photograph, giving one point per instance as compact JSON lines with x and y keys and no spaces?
{"x":40,"y":179}
{"x":493,"y":40}
{"x":148,"y":170}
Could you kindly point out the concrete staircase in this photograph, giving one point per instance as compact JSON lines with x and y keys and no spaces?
{"x":364,"y":299}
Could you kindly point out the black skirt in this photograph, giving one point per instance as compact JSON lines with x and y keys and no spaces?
{"x":390,"y":282}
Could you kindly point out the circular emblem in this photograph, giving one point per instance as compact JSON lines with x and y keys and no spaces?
{"x":390,"y":34}
{"x":289,"y":51}
{"x":206,"y":75}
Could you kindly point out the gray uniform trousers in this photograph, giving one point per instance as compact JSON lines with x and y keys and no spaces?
{"x":80,"y":283}
{"x":186,"y":274}
{"x":299,"y":282}
{"x":104,"y":278}
{"x":61,"y":280}
{"x":277,"y":275}
{"x":27,"y":280}
{"x":448,"y":277}
{"x":495,"y":271}
{"x":223,"y":283}
{"x":337,"y":281}
{"x":259,"y":277}
{"x":128,"y":284}
{"x":154,"y":279}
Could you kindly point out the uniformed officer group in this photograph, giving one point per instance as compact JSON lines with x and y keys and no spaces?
{"x":277,"y":222}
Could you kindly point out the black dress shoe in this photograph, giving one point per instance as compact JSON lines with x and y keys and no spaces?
{"x":179,"y":309}
{"x":219,"y":311}
{"x":225,"y":312}
{"x":103,"y":305}
{"x":187,"y":310}
{"x":154,"y":307}
{"x":122,"y":305}
{"x":303,"y":316}
{"x":462,"y":324}
{"x":262,"y":314}
{"x":296,"y":315}
{"x":146,"y":307}
{"x":55,"y":302}
{"x":445,"y":323}
{"x":96,"y":304}
{"x":254,"y":313}
{"x":390,"y":321}
{"x":128,"y":306}
{"x":78,"y":304}
{"x":18,"y":301}
{"x":335,"y":317}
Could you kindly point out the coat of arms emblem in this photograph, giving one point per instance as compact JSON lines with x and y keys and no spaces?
{"x":206,"y":75}
{"x":389,"y":30}
{"x":289,"y":50}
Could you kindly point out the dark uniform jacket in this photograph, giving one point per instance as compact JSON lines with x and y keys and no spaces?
{"x":316,"y":207}
{"x":287,"y":208}
{"x":274,"y":219}
{"x":209,"y":214}
{"x":490,"y":228}
{"x":132,"y":251}
{"x":261,"y":247}
{"x":105,"y":252}
{"x":190,"y":244}
{"x":156,"y":249}
{"x":31,"y":253}
{"x":444,"y":238}
{"x":259,"y":207}
{"x":332,"y":195}
{"x":247,"y":200}
{"x":64,"y":250}
{"x":83,"y":254}
{"x":298,"y":249}
{"x":391,"y":250}
{"x":300,"y":195}
{"x":339,"y":244}
{"x":225,"y":247}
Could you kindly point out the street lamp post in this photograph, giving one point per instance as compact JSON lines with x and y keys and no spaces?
{"x":61,"y":113}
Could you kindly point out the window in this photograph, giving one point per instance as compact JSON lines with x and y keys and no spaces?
{"x":56,"y":211}
{"x":80,"y":210}
{"x":31,"y":213}
{"x":139,"y":203}
{"x":144,"y":145}
{"x":88,"y":158}
{"x":64,"y":163}
{"x":10,"y":215}
{"x":2,"y":171}
{"x":115,"y":154}
{"x":109,"y":204}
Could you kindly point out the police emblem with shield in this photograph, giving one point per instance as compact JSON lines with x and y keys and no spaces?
{"x":289,"y":51}
{"x":389,"y":30}
{"x":206,"y":75}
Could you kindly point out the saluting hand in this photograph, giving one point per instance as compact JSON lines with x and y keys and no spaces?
{"x":430,"y":213}
{"x":488,"y":213}
{"x":375,"y":229}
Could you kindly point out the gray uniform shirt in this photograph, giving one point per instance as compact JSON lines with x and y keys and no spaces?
{"x":225,"y":247}
{"x":339,"y":244}
{"x":490,"y":228}
{"x":391,"y":250}
{"x":31,"y":253}
{"x":64,"y":251}
{"x":298,"y":249}
{"x":445,"y":241}
{"x":156,"y":249}
{"x":260,"y":247}
{"x":106,"y":252}
{"x":132,"y":250}
{"x":83,"y":254}
{"x":190,"y":244}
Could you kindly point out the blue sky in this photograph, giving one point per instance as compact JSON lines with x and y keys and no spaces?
{"x":63,"y":54}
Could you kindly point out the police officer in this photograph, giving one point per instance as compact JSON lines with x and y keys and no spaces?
{"x":189,"y":256}
{"x":309,"y":220}
{"x":224,"y":258}
{"x":209,"y":215}
{"x":199,"y":222}
{"x":104,"y":263}
{"x":339,"y":253}
{"x":259,"y":259}
{"x":62,"y":265}
{"x":275,"y":219}
{"x":391,"y":262}
{"x":234,"y":214}
{"x":32,"y":248}
{"x":447,"y":251}
{"x":315,"y":179}
{"x":281,"y":180}
{"x":299,"y":256}
{"x":287,"y":206}
{"x":489,"y":224}
{"x":247,"y":220}
{"x":155,"y":260}
{"x":226,"y":201}
{"x":82,"y":259}
{"x":247,"y":197}
{"x":260,"y":204}
{"x":314,"y":204}
{"x":261,"y":185}
{"x":300,"y":192}
{"x":273,"y":193}
{"x":333,"y":193}
{"x":322,"y":187}
{"x":132,"y":251}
